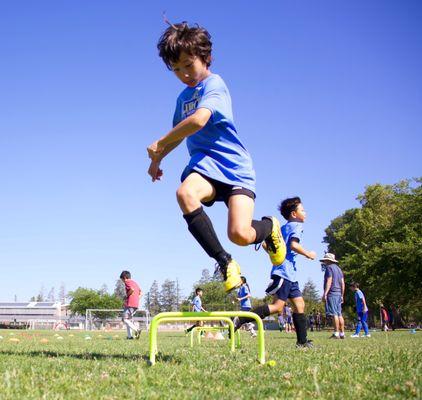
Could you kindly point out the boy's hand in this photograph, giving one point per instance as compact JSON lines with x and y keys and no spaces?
{"x":154,"y":151}
{"x":154,"y":171}
{"x":311,"y":255}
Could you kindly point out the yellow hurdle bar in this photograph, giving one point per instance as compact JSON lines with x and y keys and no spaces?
{"x":204,"y":316}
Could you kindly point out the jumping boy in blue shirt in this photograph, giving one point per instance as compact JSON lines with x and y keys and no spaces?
{"x":284,"y":285}
{"x":220,"y":167}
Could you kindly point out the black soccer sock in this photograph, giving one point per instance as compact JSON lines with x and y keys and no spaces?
{"x":262,"y":228}
{"x":262,"y":311}
{"x":200,"y":226}
{"x":299,"y":321}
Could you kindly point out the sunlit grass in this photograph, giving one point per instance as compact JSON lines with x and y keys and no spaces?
{"x":37,"y":365}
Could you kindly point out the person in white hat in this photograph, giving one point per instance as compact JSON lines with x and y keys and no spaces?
{"x":333,"y":293}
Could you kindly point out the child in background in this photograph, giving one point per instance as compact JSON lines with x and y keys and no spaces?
{"x":281,"y":322}
{"x":220,"y":168}
{"x":196,"y":307}
{"x":244,"y":298}
{"x":362,"y":311}
{"x":318,"y":321}
{"x":133,"y":294}
{"x":288,"y":317}
{"x":384,"y":318}
{"x":312,"y":320}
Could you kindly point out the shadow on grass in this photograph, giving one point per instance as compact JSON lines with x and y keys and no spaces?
{"x":91,"y":356}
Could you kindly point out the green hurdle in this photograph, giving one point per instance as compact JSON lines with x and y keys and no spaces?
{"x":205,"y":316}
{"x":165,"y":319}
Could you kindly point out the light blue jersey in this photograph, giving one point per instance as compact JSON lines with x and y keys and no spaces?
{"x":216,"y":150}
{"x":287,"y":270}
{"x":359,"y":296}
{"x":197,"y":304}
{"x":242,"y":292}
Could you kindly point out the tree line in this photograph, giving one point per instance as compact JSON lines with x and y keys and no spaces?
{"x":379,"y":245}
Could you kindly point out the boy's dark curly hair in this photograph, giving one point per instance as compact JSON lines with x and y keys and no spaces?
{"x":289,"y":205}
{"x":178,"y":38}
{"x":125,"y":275}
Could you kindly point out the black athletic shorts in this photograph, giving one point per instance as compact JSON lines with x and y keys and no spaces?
{"x":223,"y":191}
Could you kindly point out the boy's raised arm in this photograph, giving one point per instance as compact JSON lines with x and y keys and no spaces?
{"x":192,"y":124}
{"x":298,"y":248}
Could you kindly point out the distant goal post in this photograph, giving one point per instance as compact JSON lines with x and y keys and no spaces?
{"x":113,"y":318}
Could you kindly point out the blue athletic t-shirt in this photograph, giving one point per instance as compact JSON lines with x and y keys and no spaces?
{"x":333,"y":271}
{"x":287,"y":269}
{"x":216,"y":150}
{"x":359,"y":296}
{"x":242,"y":292}
{"x":197,"y":304}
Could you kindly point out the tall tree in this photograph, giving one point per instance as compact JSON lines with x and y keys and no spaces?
{"x":40,"y":296}
{"x":379,"y":244}
{"x":51,"y":295}
{"x":103,"y":289}
{"x":310,"y":291}
{"x":153,"y":299}
{"x":168,"y":296}
{"x":119,"y":289}
{"x":62,"y":293}
{"x":311,"y":296}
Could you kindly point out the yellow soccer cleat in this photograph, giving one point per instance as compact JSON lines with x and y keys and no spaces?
{"x":232,"y":276}
{"x":276,"y":247}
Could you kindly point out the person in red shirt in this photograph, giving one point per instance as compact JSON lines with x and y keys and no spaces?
{"x":133,"y":294}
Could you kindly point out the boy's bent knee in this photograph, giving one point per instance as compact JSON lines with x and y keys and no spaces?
{"x":240,"y":236}
{"x":187,"y":199}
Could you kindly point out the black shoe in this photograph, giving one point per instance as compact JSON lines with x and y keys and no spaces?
{"x":307,"y":345}
{"x":129,"y":338}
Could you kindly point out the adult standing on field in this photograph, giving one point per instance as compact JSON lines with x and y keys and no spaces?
{"x":333,"y":293}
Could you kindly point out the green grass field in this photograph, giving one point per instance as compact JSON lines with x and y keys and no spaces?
{"x":388,"y":365}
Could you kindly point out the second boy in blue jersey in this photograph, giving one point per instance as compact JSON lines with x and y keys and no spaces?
{"x":284,"y":284}
{"x":220,"y":168}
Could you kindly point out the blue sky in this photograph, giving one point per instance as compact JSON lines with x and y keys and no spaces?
{"x":327,"y":97}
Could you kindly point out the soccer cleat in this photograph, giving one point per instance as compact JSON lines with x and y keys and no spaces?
{"x":354,"y":335}
{"x":230,"y":271}
{"x":307,"y":345}
{"x":231,"y":276}
{"x":276,"y":247}
{"x":368,"y":335}
{"x":138,"y":333}
{"x":334,"y":337}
